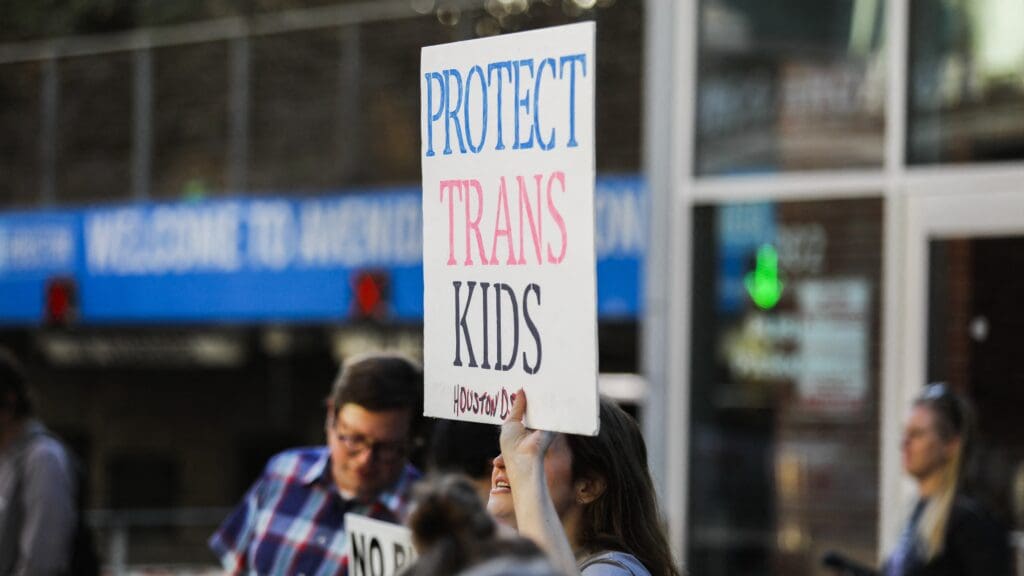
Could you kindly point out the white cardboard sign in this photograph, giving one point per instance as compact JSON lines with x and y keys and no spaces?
{"x":377,"y":548}
{"x":509,"y":299}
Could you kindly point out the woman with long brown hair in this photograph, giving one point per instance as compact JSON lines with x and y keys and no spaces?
{"x":948,"y":534}
{"x":589,"y":502}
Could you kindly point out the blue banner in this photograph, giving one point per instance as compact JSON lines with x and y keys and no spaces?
{"x":267,"y":259}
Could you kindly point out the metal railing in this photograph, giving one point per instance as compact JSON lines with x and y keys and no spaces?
{"x":1017,"y":542}
{"x":114,"y":530}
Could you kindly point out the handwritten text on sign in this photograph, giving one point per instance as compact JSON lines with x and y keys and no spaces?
{"x":508,"y":232}
{"x":377,"y":548}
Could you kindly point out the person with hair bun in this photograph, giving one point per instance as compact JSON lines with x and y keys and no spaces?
{"x":589,"y":502}
{"x":454,"y":534}
{"x":947,"y":534}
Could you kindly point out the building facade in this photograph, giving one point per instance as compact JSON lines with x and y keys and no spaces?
{"x":837,"y":190}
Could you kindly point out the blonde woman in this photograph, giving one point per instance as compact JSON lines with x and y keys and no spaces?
{"x":947,"y":533}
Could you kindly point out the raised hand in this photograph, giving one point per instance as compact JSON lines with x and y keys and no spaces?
{"x":523,"y":449}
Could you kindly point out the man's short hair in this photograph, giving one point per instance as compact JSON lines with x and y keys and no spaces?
{"x":14,"y":394}
{"x":379,"y":382}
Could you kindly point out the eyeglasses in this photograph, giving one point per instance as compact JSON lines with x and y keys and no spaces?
{"x":359,"y":444}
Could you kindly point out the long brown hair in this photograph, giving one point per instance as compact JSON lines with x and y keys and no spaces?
{"x":625,"y":517}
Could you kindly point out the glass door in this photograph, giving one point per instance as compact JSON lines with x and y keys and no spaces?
{"x":963,"y":324}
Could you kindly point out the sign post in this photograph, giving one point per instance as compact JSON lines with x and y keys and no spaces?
{"x":507,"y":130}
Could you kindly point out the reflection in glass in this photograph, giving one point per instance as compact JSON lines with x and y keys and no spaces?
{"x":20,"y":114}
{"x":975,"y":315}
{"x":966,"y":82}
{"x":784,"y":397}
{"x":206,"y":114}
{"x":789,"y":86}
{"x":94,"y":129}
{"x":190,"y":120}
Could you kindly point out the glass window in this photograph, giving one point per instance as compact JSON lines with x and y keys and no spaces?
{"x":94,"y":129}
{"x":20,"y":147}
{"x":966,"y":81}
{"x":389,"y":99}
{"x":975,"y":318}
{"x":190,"y":119}
{"x":327,"y":109}
{"x":790,"y":85}
{"x":390,"y":110}
{"x":784,"y":399}
{"x":295,"y":117}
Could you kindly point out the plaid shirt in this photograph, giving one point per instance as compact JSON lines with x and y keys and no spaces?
{"x":292,"y":520}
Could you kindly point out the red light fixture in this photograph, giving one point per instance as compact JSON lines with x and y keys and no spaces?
{"x":370,"y":291}
{"x":61,"y":301}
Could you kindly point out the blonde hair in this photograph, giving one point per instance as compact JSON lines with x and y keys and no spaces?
{"x":953,"y":422}
{"x":931,"y":529}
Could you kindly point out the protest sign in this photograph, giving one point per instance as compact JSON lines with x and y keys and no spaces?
{"x":377,"y":548}
{"x":507,"y":128}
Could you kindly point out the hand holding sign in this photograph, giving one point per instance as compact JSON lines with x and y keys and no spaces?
{"x":523,"y":449}
{"x":523,"y":454}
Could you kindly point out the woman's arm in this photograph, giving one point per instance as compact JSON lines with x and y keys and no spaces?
{"x":523,"y":451}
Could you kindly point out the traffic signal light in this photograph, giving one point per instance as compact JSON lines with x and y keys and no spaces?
{"x":371,"y":295}
{"x":61,"y":301}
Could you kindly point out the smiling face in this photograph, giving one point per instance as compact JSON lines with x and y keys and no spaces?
{"x":367,"y":449}
{"x":925,"y":453}
{"x":557,"y":470}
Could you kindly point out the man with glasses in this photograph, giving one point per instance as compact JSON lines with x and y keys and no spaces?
{"x":292,"y":520}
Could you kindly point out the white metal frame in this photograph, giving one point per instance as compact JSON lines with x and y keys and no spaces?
{"x":919,"y":203}
{"x":669,"y":77}
{"x":957,"y":205}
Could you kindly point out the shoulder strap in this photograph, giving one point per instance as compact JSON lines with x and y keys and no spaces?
{"x":20,"y":456}
{"x":84,"y":559}
{"x":606,"y":558}
{"x":17,"y":504}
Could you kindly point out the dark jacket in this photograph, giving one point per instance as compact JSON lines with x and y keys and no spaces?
{"x":975,"y":545}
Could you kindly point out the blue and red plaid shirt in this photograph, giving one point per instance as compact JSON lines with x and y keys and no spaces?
{"x":292,"y":520}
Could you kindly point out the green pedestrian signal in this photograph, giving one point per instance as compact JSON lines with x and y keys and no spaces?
{"x":763,"y":283}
